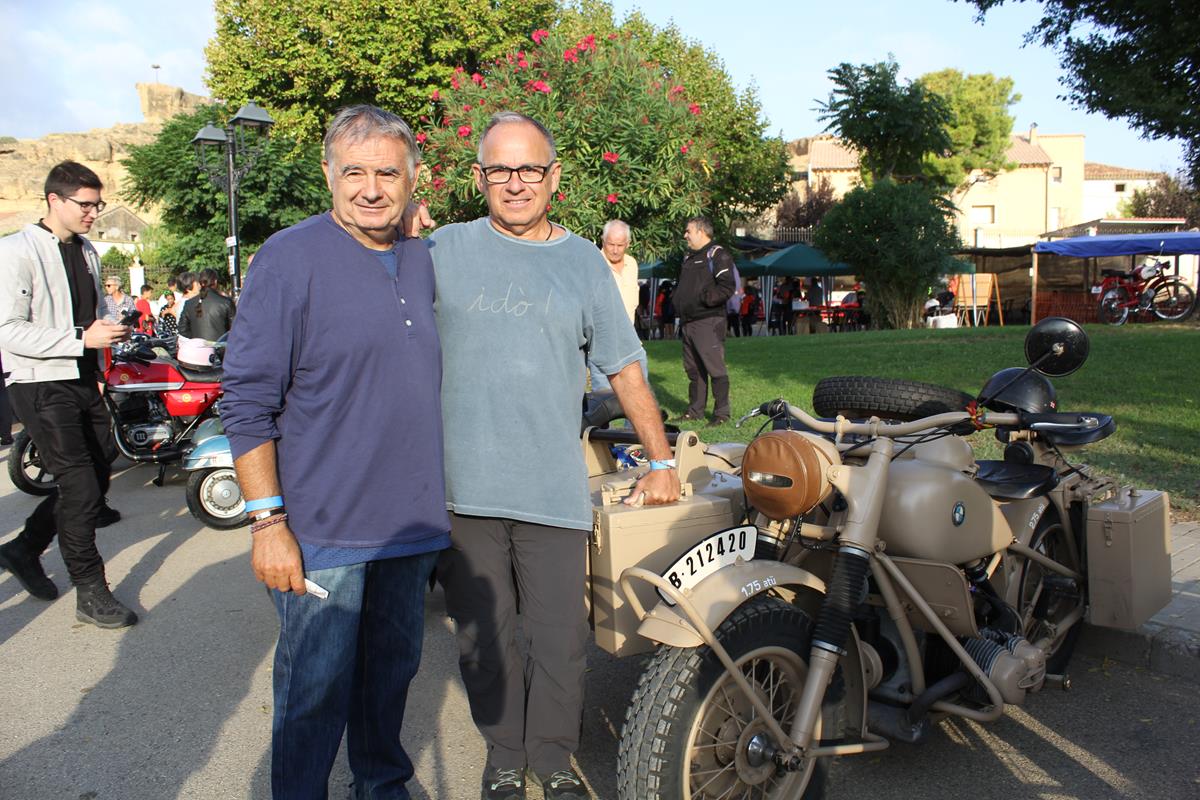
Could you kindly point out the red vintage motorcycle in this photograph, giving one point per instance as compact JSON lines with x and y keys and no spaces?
{"x":1146,"y":289}
{"x":160,"y":408}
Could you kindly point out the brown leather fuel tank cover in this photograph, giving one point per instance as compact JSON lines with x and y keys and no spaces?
{"x":783,"y":474}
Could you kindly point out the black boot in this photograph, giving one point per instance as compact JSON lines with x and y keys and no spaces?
{"x":94,"y":603}
{"x":27,"y":568}
{"x":107,"y":516}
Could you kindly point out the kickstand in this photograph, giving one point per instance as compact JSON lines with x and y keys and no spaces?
{"x":162,"y":475}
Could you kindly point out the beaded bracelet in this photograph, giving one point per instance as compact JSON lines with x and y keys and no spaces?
{"x":268,"y":522}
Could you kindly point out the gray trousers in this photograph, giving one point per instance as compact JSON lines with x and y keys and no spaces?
{"x":528,"y":709}
{"x":704,"y":360}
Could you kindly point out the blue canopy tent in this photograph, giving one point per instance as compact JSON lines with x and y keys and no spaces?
{"x":1129,"y":244}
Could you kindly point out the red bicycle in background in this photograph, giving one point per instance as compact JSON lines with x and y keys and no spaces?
{"x":1146,"y":288}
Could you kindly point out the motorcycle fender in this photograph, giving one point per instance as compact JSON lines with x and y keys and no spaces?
{"x":212,"y":452}
{"x":718,"y":595}
{"x":208,"y":429}
{"x":715,"y":598}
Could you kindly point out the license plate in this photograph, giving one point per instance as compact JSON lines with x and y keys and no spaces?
{"x":1095,"y":290}
{"x":708,"y":555}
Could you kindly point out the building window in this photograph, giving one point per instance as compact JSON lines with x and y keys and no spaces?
{"x":1055,"y":218}
{"x":1056,"y":174}
{"x":1120,"y":187}
{"x":983,"y":215}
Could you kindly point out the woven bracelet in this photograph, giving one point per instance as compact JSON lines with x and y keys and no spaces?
{"x":268,"y":522}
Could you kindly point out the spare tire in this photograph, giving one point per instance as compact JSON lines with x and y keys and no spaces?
{"x":887,"y":398}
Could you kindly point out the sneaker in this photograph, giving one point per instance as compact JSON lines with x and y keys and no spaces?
{"x":503,"y":784}
{"x":94,"y":603}
{"x":107,"y":516}
{"x":27,"y":569}
{"x":565,"y":784}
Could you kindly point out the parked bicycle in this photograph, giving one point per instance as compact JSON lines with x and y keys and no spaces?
{"x":1145,"y":289}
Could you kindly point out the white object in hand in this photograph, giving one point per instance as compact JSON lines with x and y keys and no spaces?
{"x":315,"y":589}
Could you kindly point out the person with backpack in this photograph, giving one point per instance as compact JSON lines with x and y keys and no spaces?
{"x":706,"y":282}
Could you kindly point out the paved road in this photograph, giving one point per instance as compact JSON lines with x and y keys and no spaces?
{"x":179,"y":706}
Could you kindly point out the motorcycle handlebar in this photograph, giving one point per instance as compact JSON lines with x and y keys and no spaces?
{"x":881,"y":428}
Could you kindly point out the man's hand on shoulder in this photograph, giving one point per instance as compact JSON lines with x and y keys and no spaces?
{"x":104,"y":333}
{"x":416,"y":218}
{"x":276,"y":559}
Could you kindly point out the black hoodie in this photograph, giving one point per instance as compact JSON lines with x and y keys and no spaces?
{"x":705,"y":284}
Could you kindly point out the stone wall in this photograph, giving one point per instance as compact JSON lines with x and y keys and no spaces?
{"x":25,"y":162}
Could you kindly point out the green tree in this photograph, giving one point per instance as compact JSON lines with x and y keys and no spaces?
{"x":894,"y":127}
{"x":115,"y":261}
{"x":1130,"y":59}
{"x":284,"y":186}
{"x":1168,"y":197}
{"x":307,"y":58}
{"x":979,"y":127}
{"x":897,"y":237}
{"x":631,"y":138}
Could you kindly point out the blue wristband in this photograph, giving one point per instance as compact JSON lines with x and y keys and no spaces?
{"x":668,"y":464}
{"x":264,"y":502}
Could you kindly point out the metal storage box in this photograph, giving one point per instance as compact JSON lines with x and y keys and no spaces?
{"x":1129,"y":558}
{"x":652,"y":537}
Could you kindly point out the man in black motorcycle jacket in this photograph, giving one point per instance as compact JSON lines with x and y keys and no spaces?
{"x":706,"y":282}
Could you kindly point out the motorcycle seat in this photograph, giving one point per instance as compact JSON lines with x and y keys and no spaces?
{"x":1006,"y":480}
{"x":200,"y":374}
{"x":1113,"y":273}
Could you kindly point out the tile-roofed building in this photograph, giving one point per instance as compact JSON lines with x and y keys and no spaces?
{"x":1024,"y":152}
{"x":1107,"y":188}
{"x":829,"y":154}
{"x":1093,"y":171}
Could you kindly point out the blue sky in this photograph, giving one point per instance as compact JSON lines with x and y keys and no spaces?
{"x":70,"y":66}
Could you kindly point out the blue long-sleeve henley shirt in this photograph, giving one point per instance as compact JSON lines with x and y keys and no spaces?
{"x":339,"y":363}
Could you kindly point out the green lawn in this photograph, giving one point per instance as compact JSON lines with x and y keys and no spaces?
{"x":1146,"y":376}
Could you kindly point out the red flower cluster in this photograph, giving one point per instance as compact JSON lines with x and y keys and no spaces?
{"x":587,"y":43}
{"x":683,"y":148}
{"x":610,"y":157}
{"x":560,"y":197}
{"x":435,"y":96}
{"x":454,"y":82}
{"x":694,"y":108}
{"x":676,"y":90}
{"x":475,"y":76}
{"x":521,"y":62}
{"x":421,"y":137}
{"x":612,"y":198}
{"x":538,"y":86}
{"x":438,"y":183}
{"x":464,"y":131}
{"x":572,"y":55}
{"x":540,"y":35}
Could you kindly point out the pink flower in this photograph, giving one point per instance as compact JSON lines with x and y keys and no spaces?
{"x":475,"y":76}
{"x":572,"y":55}
{"x":538,"y":86}
{"x":540,"y":36}
{"x":683,"y":148}
{"x":588,"y":42}
{"x":610,"y":157}
{"x":438,"y":183}
{"x":694,"y":108}
{"x":676,"y":90}
{"x":612,"y":36}
{"x":612,"y":198}
{"x":560,"y":197}
{"x":459,"y":69}
{"x":421,"y":137}
{"x":464,"y":131}
{"x":435,"y":96}
{"x":454,"y":82}
{"x":481,"y":102}
{"x":467,"y":107}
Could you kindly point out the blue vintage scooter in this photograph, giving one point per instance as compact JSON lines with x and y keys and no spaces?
{"x":213,"y":494}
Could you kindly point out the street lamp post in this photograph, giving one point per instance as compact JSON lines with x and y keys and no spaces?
{"x":231,"y":142}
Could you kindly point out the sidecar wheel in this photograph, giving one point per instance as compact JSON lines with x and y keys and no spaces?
{"x":1044,"y":598}
{"x":886,"y":398}
{"x":215,"y":498}
{"x":690,"y":734}
{"x":25,"y":467}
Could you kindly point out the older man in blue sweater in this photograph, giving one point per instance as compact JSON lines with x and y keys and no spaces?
{"x":332,"y":405}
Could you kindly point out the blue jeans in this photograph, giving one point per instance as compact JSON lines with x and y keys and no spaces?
{"x":346,"y":661}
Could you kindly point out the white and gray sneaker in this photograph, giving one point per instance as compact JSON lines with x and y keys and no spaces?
{"x":565,"y":784}
{"x":503,"y":784}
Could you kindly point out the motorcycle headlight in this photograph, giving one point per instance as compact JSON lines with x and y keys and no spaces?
{"x":785,"y":473}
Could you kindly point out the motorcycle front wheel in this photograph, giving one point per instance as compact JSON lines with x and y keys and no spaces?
{"x":691,"y":734}
{"x":25,"y":467}
{"x":1173,"y":301}
{"x":215,"y":498}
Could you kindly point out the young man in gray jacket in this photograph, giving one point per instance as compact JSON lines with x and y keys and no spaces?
{"x":50,"y":335}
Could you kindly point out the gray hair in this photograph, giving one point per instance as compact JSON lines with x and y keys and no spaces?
{"x":357,"y":123}
{"x":506,"y":117}
{"x":617,"y":226}
{"x":702,"y":224}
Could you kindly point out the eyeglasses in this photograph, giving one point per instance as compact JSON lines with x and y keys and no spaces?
{"x":88,"y":208}
{"x":528,"y":173}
